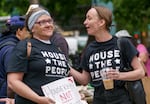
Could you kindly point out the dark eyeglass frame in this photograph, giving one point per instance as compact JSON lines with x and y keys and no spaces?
{"x":44,"y":22}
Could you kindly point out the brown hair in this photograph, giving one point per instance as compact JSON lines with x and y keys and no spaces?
{"x":104,"y":13}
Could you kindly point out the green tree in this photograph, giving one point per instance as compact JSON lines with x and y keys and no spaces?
{"x":67,"y":13}
{"x":132,"y":14}
{"x":8,"y":7}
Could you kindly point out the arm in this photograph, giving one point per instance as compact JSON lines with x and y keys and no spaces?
{"x":82,"y":78}
{"x":7,"y":56}
{"x":143,"y":57}
{"x":130,"y":52}
{"x":15,"y":83}
{"x":137,"y":73}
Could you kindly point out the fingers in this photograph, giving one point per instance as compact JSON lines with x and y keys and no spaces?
{"x":7,"y":100}
{"x":113,"y":74}
{"x":3,"y":99}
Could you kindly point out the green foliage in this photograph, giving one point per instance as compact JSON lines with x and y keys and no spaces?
{"x":132,"y":15}
{"x":67,"y":13}
{"x":7,"y":7}
{"x":129,"y":14}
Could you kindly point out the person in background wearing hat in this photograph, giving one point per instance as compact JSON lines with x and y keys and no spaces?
{"x":45,"y":64}
{"x":15,"y":31}
{"x":143,"y":52}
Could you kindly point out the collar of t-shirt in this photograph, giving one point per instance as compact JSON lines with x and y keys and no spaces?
{"x":45,"y":41}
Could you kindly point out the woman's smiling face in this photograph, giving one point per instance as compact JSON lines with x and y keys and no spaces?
{"x":43,"y":27}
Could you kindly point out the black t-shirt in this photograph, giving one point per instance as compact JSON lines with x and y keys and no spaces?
{"x":45,"y":64}
{"x":99,"y":55}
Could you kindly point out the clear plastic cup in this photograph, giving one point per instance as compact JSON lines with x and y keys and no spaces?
{"x":108,"y":83}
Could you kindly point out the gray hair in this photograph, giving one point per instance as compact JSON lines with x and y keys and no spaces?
{"x":33,"y":18}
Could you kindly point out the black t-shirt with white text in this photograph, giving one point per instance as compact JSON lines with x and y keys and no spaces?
{"x":45,"y":64}
{"x":99,"y":55}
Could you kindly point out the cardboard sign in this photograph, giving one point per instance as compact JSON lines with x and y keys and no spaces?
{"x":62,"y":91}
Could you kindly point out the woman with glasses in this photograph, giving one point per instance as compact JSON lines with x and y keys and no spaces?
{"x":46,"y":63}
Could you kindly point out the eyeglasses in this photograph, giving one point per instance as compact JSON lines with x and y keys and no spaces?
{"x":44,"y":22}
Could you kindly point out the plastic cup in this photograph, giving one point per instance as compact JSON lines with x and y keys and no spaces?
{"x":108,"y":83}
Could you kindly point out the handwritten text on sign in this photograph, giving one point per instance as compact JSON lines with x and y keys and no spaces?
{"x":63,"y":91}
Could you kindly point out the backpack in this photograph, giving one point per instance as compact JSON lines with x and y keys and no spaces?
{"x":135,"y":88}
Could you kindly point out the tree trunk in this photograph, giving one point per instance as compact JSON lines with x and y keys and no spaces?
{"x":34,"y":1}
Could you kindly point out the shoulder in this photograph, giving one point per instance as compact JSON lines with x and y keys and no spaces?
{"x":56,"y":36}
{"x":22,"y":43}
{"x":58,"y":39}
{"x":20,"y":51}
{"x":125,"y":42}
{"x":91,"y":44}
{"x":123,"y":39}
{"x":7,"y":43}
{"x":141,"y":48}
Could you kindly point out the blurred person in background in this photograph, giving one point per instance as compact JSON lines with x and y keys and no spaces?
{"x":60,"y":42}
{"x":143,"y":52}
{"x":15,"y":31}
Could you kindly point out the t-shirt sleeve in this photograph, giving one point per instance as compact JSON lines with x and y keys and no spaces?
{"x":129,"y":50}
{"x":18,"y":60}
{"x":142,"y":49}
